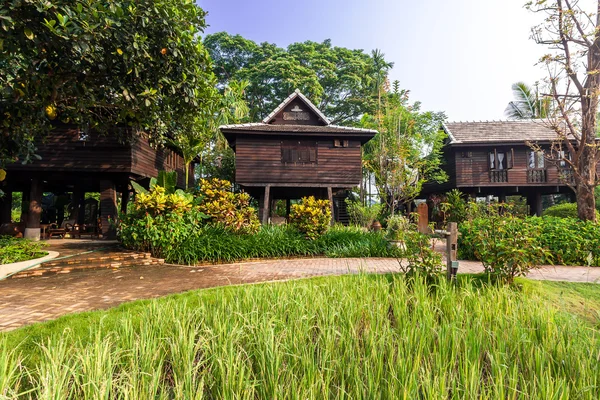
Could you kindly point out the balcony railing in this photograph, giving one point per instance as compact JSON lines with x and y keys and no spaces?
{"x":499,"y":176}
{"x":565,"y":175}
{"x":537,"y":176}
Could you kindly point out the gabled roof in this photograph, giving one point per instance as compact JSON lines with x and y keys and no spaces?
{"x":262,"y":127}
{"x":484,"y":132}
{"x":290,"y":98}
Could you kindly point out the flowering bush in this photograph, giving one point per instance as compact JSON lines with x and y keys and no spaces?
{"x":311,"y":217}
{"x":230,"y":210}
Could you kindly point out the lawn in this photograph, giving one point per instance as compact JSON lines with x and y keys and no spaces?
{"x":363,"y":336}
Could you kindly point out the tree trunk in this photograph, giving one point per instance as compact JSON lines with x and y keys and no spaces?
{"x":187,"y":174}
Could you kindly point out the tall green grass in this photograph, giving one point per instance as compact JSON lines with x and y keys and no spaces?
{"x":215,"y":245}
{"x":353,"y":337}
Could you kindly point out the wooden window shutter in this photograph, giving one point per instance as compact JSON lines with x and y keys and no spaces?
{"x":313,"y":155}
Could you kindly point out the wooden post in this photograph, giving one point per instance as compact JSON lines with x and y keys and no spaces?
{"x":108,"y":207}
{"x":124,"y":200}
{"x":288,"y":206}
{"x":6,"y":207}
{"x":423,"y":222}
{"x":451,"y":248}
{"x":78,"y":206}
{"x":32,"y":229}
{"x":266,"y":205}
{"x":330,"y":197}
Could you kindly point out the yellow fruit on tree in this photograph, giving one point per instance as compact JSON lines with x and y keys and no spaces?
{"x":2,"y":175}
{"x":51,"y":111}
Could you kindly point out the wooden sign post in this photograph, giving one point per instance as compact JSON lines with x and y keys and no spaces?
{"x":423,"y":222}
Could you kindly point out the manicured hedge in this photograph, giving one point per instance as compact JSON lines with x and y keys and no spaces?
{"x":564,"y":210}
{"x":570,"y":241}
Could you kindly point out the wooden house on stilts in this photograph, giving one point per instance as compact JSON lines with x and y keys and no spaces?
{"x":295,"y":152}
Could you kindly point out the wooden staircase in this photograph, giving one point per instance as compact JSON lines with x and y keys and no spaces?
{"x":113,"y":258}
{"x":341,"y":210}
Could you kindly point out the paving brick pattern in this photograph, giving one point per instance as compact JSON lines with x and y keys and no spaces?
{"x":33,"y":299}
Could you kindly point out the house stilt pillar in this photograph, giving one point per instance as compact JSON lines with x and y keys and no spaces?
{"x":108,"y":207}
{"x":32,"y":229}
{"x":6,"y":207}
{"x":266,"y":205}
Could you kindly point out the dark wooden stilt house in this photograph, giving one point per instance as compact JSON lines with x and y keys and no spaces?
{"x":296,"y":152}
{"x":73,"y":162}
{"x":496,"y":158}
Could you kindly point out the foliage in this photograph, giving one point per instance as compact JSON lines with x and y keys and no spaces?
{"x":225,"y":208}
{"x":362,"y":214}
{"x":563,"y":210}
{"x":566,"y":241}
{"x":339,"y":81}
{"x":406,"y":152}
{"x":455,"y":206}
{"x":363,"y":336}
{"x":311,"y":216}
{"x":420,"y":257}
{"x":528,"y":103}
{"x":354,"y":242}
{"x":157,"y":222}
{"x":397,"y":225}
{"x":216,"y":245}
{"x":571,"y":31}
{"x":14,"y":250}
{"x":507,"y":246}
{"x":217,"y":163}
{"x":100,"y":65}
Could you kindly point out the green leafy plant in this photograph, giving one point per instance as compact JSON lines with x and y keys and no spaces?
{"x":454,"y":206}
{"x":225,"y":208}
{"x":311,"y":216}
{"x":507,"y":246}
{"x":362,"y":215}
{"x":397,"y":225}
{"x":564,"y":210}
{"x":15,"y":249}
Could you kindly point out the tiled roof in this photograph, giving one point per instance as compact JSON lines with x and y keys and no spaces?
{"x":499,"y":131}
{"x":287,"y":101}
{"x":262,"y":127}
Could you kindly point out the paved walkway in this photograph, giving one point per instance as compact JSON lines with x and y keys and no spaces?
{"x":27,"y":300}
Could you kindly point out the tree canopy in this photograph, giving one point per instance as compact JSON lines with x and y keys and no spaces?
{"x":407,"y":151}
{"x":343,"y":83}
{"x":99,"y":64}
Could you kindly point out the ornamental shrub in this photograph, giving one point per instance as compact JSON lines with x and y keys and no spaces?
{"x":157,"y":222}
{"x":362,"y":215}
{"x":564,"y":210}
{"x":507,"y":246}
{"x":311,"y":217}
{"x":227,"y":209}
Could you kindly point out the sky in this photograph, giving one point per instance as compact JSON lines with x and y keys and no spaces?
{"x":456,"y":56}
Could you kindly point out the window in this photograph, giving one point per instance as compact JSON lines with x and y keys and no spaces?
{"x":501,"y":160}
{"x":562,"y":156}
{"x":340,"y":143}
{"x":298,"y":152}
{"x":535,"y":160}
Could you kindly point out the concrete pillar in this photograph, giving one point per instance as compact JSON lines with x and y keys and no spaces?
{"x":108,"y":207}
{"x":6,"y":207}
{"x":32,"y":229}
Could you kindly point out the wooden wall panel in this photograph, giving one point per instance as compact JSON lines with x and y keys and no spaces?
{"x":62,"y":150}
{"x":473,"y":171}
{"x":258,"y":160}
{"x":147,"y":161}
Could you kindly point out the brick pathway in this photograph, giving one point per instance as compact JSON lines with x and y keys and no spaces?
{"x":27,"y":300}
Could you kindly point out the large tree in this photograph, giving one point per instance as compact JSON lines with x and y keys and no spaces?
{"x":406,"y":152}
{"x":99,"y":64}
{"x":573,"y":66}
{"x":342,"y":82}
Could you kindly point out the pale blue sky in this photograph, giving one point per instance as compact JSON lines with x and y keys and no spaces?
{"x":457,"y":56}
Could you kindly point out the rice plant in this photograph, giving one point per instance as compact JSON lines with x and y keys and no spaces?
{"x":350,"y":337}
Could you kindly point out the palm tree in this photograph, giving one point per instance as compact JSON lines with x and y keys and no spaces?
{"x":381,"y":69}
{"x":528,"y":103}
